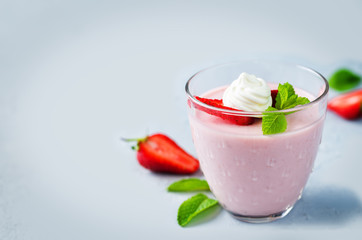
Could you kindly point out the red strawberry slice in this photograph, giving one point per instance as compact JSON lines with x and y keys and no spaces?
{"x":274,"y":94}
{"x":347,"y":105}
{"x":160,"y":153}
{"x":234,"y":119}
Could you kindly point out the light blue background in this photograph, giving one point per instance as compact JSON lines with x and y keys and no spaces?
{"x":75,"y":76}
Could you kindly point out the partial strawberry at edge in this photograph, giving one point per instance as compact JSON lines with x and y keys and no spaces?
{"x":348,"y":105}
{"x":234,"y":119}
{"x":159,"y":153}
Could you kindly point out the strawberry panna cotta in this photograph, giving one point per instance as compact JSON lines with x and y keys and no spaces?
{"x":254,"y":170}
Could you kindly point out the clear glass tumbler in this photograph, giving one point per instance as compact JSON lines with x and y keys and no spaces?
{"x":256,"y":177}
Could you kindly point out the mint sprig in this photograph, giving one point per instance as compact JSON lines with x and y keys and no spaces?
{"x":192,"y":207}
{"x":286,"y":98}
{"x":344,"y":79}
{"x":274,"y":122}
{"x":189,"y":185}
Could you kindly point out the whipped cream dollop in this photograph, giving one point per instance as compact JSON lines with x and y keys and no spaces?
{"x":248,"y":93}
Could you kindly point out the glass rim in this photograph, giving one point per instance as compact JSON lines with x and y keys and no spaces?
{"x":258,"y":113}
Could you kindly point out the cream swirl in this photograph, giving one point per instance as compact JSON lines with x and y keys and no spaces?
{"x":248,"y":93}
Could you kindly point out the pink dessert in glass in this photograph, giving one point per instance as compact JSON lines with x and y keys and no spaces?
{"x":256,"y":177}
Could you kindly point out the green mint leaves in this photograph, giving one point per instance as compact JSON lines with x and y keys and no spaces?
{"x":274,"y":122}
{"x":188,"y":185}
{"x":197,"y":204}
{"x":192,"y":207}
{"x":286,"y":98}
{"x":344,"y":79}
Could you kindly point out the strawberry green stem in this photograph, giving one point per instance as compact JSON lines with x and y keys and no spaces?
{"x":138,"y":140}
{"x":134,"y":139}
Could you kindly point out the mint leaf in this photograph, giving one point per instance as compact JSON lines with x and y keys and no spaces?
{"x":294,"y":101}
{"x":285,"y":92}
{"x":344,"y":79}
{"x":290,"y":102}
{"x":188,"y":185}
{"x":273,"y":123}
{"x":302,"y":101}
{"x":286,"y":97}
{"x":193,"y":207}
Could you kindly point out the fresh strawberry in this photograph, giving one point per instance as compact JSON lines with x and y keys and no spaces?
{"x":274,"y":94}
{"x":239,"y":120}
{"x":159,"y":153}
{"x":348,"y":106}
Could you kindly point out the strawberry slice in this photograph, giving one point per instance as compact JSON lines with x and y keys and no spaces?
{"x":159,"y":153}
{"x":347,"y":105}
{"x":234,"y":119}
{"x":274,"y":94}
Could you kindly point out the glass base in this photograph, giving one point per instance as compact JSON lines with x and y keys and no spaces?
{"x":262,"y":219}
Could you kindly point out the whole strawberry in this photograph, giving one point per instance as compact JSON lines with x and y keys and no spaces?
{"x":159,"y":153}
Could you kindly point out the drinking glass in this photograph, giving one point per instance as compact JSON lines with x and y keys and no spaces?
{"x":256,"y":177}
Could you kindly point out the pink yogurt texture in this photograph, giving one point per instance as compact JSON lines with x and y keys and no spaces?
{"x":252,"y":174}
